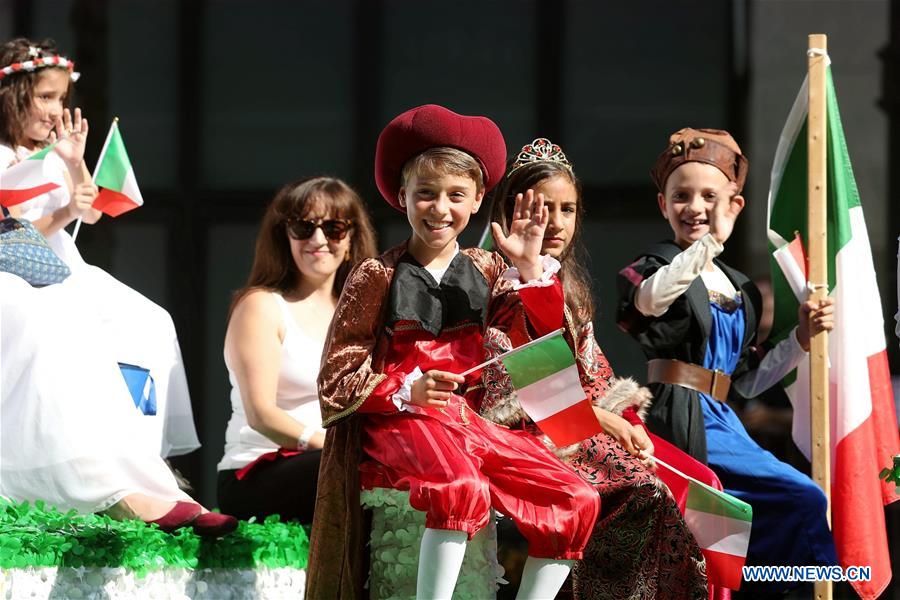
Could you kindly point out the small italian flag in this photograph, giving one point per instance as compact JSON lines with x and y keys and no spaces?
{"x":549,"y":389}
{"x":119,"y":190}
{"x":40,"y":173}
{"x":721,"y":525}
{"x":791,"y":259}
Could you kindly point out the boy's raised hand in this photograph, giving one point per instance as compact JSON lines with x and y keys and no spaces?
{"x":433,"y":388}
{"x":526,"y":235}
{"x":724,"y":213}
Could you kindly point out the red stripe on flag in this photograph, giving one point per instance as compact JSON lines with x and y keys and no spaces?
{"x":724,"y":569}
{"x":858,"y":495}
{"x":12,"y":197}
{"x":571,"y":425}
{"x":685,"y":463}
{"x":113,"y":203}
{"x":799,"y":253}
{"x":887,"y":438}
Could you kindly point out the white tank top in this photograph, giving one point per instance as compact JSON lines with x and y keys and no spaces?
{"x":297,"y":394}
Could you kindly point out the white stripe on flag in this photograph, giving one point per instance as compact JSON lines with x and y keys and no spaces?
{"x":718,"y":533}
{"x":795,"y":275}
{"x":857,"y":336}
{"x":130,"y":188}
{"x":552,"y":394}
{"x":792,"y":127}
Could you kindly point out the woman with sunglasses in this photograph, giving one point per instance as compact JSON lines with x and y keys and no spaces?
{"x":312,"y":234}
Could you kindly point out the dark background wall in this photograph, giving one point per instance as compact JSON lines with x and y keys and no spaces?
{"x":222,"y":101}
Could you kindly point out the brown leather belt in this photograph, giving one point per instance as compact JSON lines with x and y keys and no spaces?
{"x":695,"y":377}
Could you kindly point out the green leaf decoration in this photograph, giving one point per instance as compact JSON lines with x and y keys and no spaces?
{"x":892,"y":474}
{"x":41,"y":536}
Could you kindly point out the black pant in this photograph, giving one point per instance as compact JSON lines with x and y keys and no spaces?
{"x":285,"y":487}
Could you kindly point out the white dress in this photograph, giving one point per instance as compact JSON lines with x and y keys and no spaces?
{"x":297,"y":394}
{"x":135,"y":330}
{"x":69,"y":434}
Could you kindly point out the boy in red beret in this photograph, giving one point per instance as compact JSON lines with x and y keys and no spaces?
{"x":397,"y":412}
{"x":696,"y":320}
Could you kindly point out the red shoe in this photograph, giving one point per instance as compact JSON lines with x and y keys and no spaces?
{"x":181,"y":515}
{"x":212,"y":524}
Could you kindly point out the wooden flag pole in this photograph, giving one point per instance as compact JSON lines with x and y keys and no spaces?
{"x":816,"y":127}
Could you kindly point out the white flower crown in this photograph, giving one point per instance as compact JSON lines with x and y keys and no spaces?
{"x":40,"y":62}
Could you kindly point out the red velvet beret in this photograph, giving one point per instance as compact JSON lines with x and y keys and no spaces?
{"x":432,"y":126}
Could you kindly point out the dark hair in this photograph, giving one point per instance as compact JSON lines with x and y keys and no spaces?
{"x":17,"y":89}
{"x":273,"y":265}
{"x":574,"y":276}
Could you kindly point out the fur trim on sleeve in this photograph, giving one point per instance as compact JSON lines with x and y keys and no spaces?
{"x":625,"y":392}
{"x":507,"y":411}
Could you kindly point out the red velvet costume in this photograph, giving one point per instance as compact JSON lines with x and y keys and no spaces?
{"x":391,"y":318}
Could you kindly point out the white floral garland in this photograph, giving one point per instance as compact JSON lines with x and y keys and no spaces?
{"x":397,"y":530}
{"x":171,"y":583}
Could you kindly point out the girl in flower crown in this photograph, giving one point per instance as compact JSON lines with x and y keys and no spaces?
{"x":35,"y":84}
{"x":641,"y":547}
{"x":70,"y":433}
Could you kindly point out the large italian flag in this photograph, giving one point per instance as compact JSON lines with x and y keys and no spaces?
{"x":549,"y":389}
{"x":863,"y":422}
{"x":40,"y":173}
{"x":119,"y":190}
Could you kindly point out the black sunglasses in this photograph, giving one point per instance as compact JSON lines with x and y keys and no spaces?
{"x":334,"y":229}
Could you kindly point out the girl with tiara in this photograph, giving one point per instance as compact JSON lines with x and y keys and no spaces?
{"x":640,"y":547}
{"x":35,"y":83}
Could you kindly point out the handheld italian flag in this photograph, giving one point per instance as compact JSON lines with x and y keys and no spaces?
{"x":40,"y":173}
{"x":721,"y":525}
{"x":863,"y":423}
{"x":119,"y":190}
{"x":548,"y":388}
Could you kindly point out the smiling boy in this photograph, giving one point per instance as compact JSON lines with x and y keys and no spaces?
{"x":397,"y":412}
{"x":696,"y":320}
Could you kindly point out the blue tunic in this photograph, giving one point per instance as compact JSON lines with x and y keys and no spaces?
{"x":789,"y":525}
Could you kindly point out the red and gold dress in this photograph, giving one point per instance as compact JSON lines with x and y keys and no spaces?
{"x":641,"y":547}
{"x":393,"y":317}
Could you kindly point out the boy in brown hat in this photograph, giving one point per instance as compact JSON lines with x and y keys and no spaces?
{"x":397,"y":413}
{"x":696,"y":320}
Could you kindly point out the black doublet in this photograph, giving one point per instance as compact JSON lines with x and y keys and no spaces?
{"x":460,"y":298}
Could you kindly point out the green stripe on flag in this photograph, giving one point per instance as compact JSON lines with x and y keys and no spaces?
{"x":539,"y":361}
{"x":42,"y":153}
{"x":114,"y":164}
{"x":703,"y":498}
{"x":789,"y":212}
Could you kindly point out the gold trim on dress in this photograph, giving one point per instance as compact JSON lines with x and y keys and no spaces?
{"x":363,"y":396}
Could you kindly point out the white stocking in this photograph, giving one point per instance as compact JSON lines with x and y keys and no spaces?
{"x":542,"y":578}
{"x":440,"y":558}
